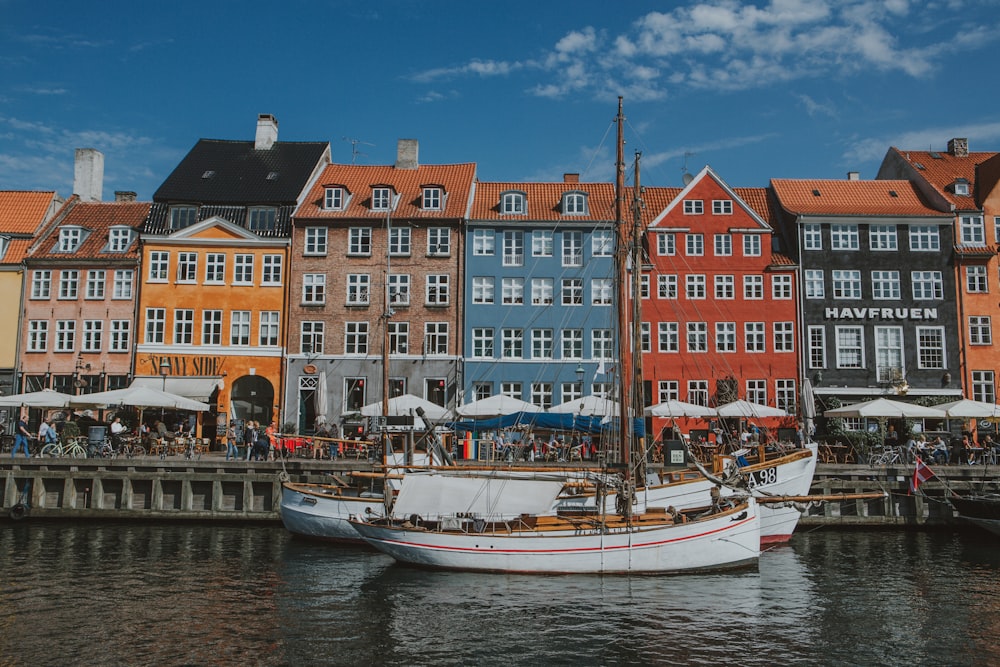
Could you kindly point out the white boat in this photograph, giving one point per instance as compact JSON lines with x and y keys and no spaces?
{"x":320,"y":511}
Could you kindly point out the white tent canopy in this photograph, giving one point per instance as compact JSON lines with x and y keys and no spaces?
{"x":497,"y":405}
{"x":46,"y":398}
{"x":678,"y":409}
{"x":885,"y":408}
{"x":137,"y":396}
{"x":589,"y":406}
{"x":969,"y":409}
{"x":405,"y":405}
{"x":196,"y":388}
{"x":748,"y":410}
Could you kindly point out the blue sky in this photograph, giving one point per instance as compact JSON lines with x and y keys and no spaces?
{"x":527,"y":90}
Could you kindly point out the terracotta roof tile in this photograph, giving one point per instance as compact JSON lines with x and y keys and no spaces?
{"x":544,"y":200}
{"x":940,"y":169}
{"x":976,"y":251}
{"x":24,"y":212}
{"x":16,"y":250}
{"x":97,"y":218}
{"x":851,"y":198}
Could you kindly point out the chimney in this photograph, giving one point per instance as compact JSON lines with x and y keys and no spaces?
{"x":267,"y":132}
{"x":406,"y":154}
{"x":854,"y":176}
{"x":124,"y":195}
{"x":571,"y":178}
{"x":958,"y":147}
{"x":88,"y":174}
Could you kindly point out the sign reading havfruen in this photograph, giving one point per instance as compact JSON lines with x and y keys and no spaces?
{"x":883,"y":314}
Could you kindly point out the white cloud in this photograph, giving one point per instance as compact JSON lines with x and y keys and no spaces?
{"x":867,"y":149}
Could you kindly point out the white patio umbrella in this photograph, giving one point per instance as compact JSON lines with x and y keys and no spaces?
{"x":405,"y":405}
{"x":678,"y":409}
{"x":885,"y":408}
{"x":46,"y":398}
{"x":969,"y":409}
{"x":140,"y":397}
{"x":497,"y":405}
{"x":748,"y":410}
{"x":320,"y":399}
{"x":589,"y":406}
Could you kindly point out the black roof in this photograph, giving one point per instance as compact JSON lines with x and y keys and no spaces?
{"x":234,"y":172}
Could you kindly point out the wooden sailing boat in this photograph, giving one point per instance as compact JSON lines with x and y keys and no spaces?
{"x":430,"y":527}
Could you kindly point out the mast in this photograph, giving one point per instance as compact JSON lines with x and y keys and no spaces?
{"x":387,"y":313}
{"x":636,"y":260}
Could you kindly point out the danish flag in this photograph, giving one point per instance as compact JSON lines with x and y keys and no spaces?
{"x":921,"y":473}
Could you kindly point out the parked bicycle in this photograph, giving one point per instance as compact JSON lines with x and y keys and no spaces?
{"x":71,"y":449}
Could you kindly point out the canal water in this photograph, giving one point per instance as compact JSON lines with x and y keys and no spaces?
{"x":131,"y":594}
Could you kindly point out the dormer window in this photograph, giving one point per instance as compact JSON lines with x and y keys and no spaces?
{"x":574,"y":203}
{"x":119,"y":239}
{"x":961,"y":186}
{"x":513,"y":203}
{"x":183,"y":216}
{"x":381,"y":199}
{"x":262,"y":218}
{"x":432,"y":199}
{"x":4,"y":244}
{"x":333,"y":199}
{"x":69,"y":239}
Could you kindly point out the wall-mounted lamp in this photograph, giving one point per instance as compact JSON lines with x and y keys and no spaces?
{"x":579,"y":372}
{"x":817,"y":377}
{"x":946,"y":379}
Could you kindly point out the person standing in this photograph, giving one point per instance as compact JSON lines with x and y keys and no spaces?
{"x":232,"y":453}
{"x":21,"y":435}
{"x":47,"y":432}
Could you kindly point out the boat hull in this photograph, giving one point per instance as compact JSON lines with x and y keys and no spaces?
{"x":318,"y":512}
{"x":982,"y":511}
{"x":723,"y":541}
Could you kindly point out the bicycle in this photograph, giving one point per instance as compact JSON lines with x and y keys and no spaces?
{"x":130,"y":448}
{"x":72,"y":449}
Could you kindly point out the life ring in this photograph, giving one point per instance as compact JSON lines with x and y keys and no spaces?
{"x":18,"y":511}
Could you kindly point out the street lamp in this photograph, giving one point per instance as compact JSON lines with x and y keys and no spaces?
{"x":164,"y":371}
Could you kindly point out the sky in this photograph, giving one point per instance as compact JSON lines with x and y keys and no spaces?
{"x":526,"y":90}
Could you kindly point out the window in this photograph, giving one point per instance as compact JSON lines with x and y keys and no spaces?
{"x":781,"y":287}
{"x":570,"y":391}
{"x":211,"y":327}
{"x":668,"y":337}
{"x":924,"y":238}
{"x":927,"y":285}
{"x":572,"y":291}
{"x":698,"y":392}
{"x":481,"y":390}
{"x":541,"y":394}
{"x":65,"y":335}
{"x":243,"y":270}
{"x":850,"y":347}
{"x":399,"y":337}
{"x":483,"y":242}
{"x":482,"y":343}
{"x":601,"y":291}
{"x":695,"y":244}
{"x":312,"y":337}
{"x":815,"y":288}
{"x":885,"y":285}
{"x":333,"y":199}
{"x":996,"y":228}
{"x":574,"y":203}
{"x":187,"y":267}
{"x":889,"y":353}
{"x":722,"y":206}
{"x":757,"y":391}
{"x":355,"y":338}
{"x":844,"y":237}
{"x":541,"y":343}
{"x":666,"y":243}
{"x":512,"y":343}
{"x":513,"y":203}
{"x":572,"y":343}
{"x":436,"y":338}
{"x":882,"y":237}
{"x":399,"y":289}
{"x":158,"y":264}
{"x":846,"y":284}
{"x":930,"y":347}
{"x":784,"y":395}
{"x":439,"y":241}
{"x":95,"y":284}
{"x":572,"y":249}
{"x":602,"y":243}
{"x":314,"y":288}
{"x":751,"y":245}
{"x":269,"y":320}
{"x":983,"y":387}
{"x":215,"y":268}
{"x":354,"y":393}
{"x":315,"y":241}
{"x":239,"y":327}
{"x":183,"y":327}
{"x":725,"y":287}
{"x":784,"y":337}
{"x":69,"y":239}
{"x":38,"y":335}
{"x":694,"y":207}
{"x":432,"y":199}
{"x":41,"y":284}
{"x":666,"y":286}
{"x":972,"y":230}
{"x":483,"y":289}
{"x":69,"y":284}
{"x":122,"y":287}
{"x":358,"y":289}
{"x":512,"y":291}
{"x":119,"y":239}
{"x":754,"y":337}
{"x":602,"y":346}
{"x":694,"y":286}
{"x":272,"y":270}
{"x":438,"y":293}
{"x":399,"y":242}
{"x":359,"y":241}
{"x":697,"y":337}
{"x":812,"y":237}
{"x":156,"y":322}
{"x":668,"y":390}
{"x":120,"y":336}
{"x":182,"y":216}
{"x":542,"y":291}
{"x":512,"y":389}
{"x":980,"y":330}
{"x":513,"y":248}
{"x":725,"y":336}
{"x":817,"y":347}
{"x":262,"y":218}
{"x":975,"y":279}
{"x":723,"y":245}
{"x":753,"y":287}
{"x":644,"y":286}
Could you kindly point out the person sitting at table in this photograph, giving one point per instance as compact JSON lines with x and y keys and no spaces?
{"x":319,"y":443}
{"x":911,"y":449}
{"x":891,"y":437}
{"x":162,"y":432}
{"x":939,"y":451}
{"x":990,"y":448}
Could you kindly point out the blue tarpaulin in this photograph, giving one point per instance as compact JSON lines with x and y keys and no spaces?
{"x":547,"y":421}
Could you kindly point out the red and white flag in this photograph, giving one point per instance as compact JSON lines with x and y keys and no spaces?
{"x":921,"y":473}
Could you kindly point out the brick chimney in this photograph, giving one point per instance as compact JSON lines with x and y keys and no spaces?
{"x":267,"y":132}
{"x":407,"y":151}
{"x":124,"y":195}
{"x":959,"y":147}
{"x":854,"y":176}
{"x":88,"y":174}
{"x":571,"y":178}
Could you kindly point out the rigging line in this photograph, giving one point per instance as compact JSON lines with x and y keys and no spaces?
{"x":597,"y":150}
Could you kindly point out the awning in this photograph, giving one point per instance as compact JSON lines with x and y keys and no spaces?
{"x":198,"y":388}
{"x":876,"y":391}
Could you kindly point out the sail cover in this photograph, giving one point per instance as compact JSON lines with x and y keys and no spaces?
{"x":431,"y":496}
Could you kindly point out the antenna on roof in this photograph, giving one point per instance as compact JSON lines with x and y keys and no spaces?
{"x":354,"y":148}
{"x":686,"y":177}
